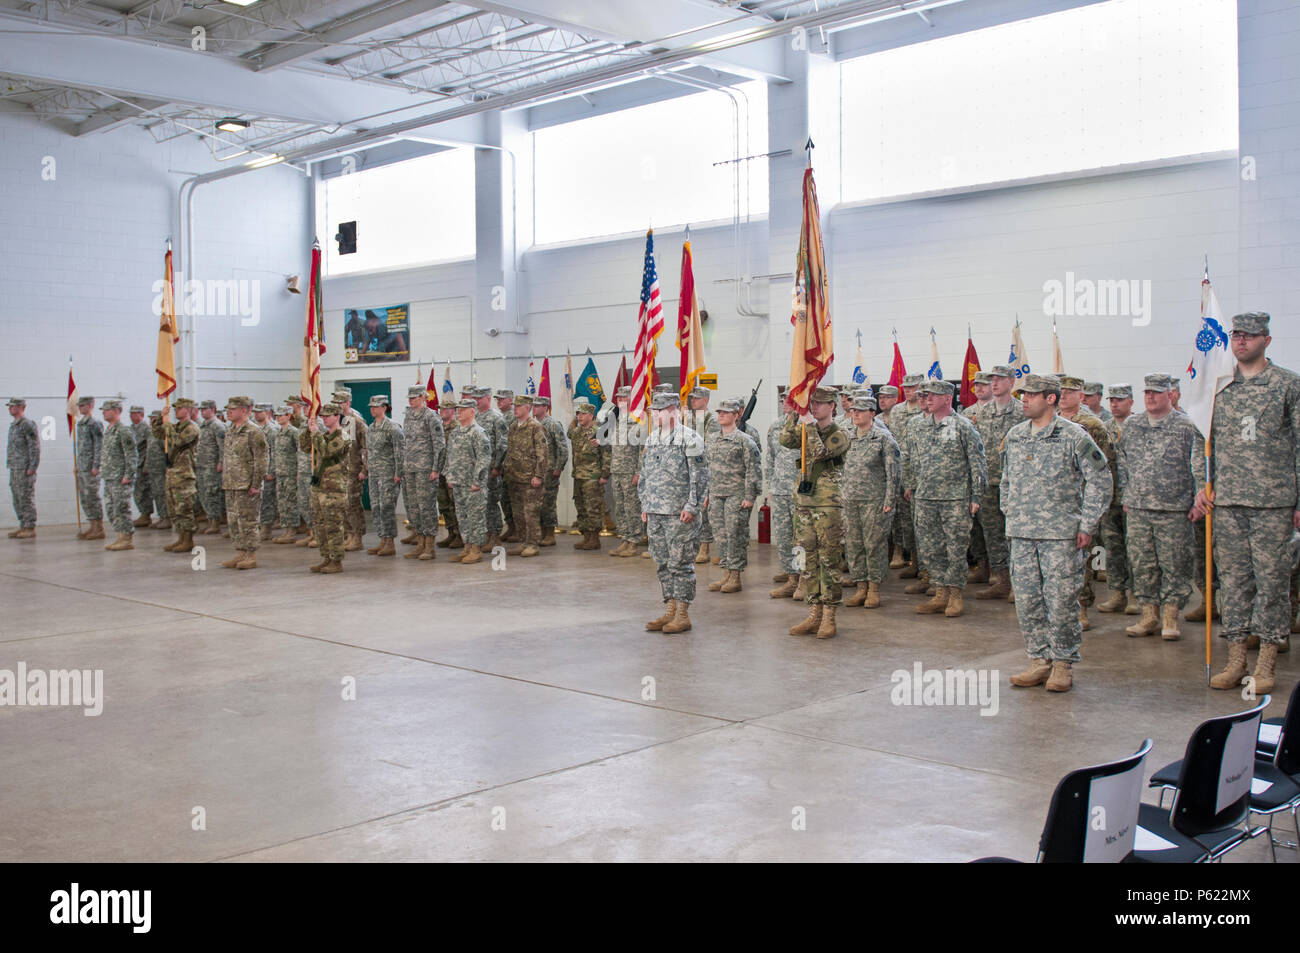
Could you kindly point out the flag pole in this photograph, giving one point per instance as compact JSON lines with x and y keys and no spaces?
{"x":1209,"y":560}
{"x":76,"y":477}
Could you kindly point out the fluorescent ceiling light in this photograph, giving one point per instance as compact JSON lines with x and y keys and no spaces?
{"x":241,"y":3}
{"x":264,"y":161}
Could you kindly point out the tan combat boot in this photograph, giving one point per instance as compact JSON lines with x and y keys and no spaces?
{"x":809,"y":625}
{"x":214,"y":528}
{"x":548,"y":536}
{"x":233,"y":561}
{"x":123,"y":541}
{"x":702,"y":556}
{"x":1263,"y":676}
{"x":826,"y":628}
{"x":1198,"y":614}
{"x":681,"y":620}
{"x":670,"y":609}
{"x":938,"y":602}
{"x":1147,"y":625}
{"x":386,"y":547}
{"x":732,"y":582}
{"x":919,"y":585}
{"x":1169,"y":623}
{"x":96,"y":530}
{"x":911,"y":570}
{"x":13,"y":533}
{"x":352,"y":544}
{"x":716,"y":585}
{"x":430,"y":549}
{"x":529,"y":550}
{"x":999,"y":586}
{"x":331,"y":567}
{"x":978,"y":573}
{"x":1083,"y":618}
{"x":896,"y":561}
{"x":1235,"y":670}
{"x":619,"y":549}
{"x":419,"y":549}
{"x":317,"y":567}
{"x":873,"y":596}
{"x":28,"y":533}
{"x":186,"y":542}
{"x":799,"y":592}
{"x":786,"y":589}
{"x":164,"y":523}
{"x":285,"y":538}
{"x":955,"y":606}
{"x":307,"y":541}
{"x":1284,"y":646}
{"x":1037,"y":672}
{"x":780,"y":576}
{"x":858,"y":598}
{"x":456,"y":541}
{"x":248,"y":562}
{"x":141,"y":521}
{"x":374,"y":550}
{"x":1117,"y":602}
{"x":175,"y":545}
{"x":1062,"y":678}
{"x":473,"y":554}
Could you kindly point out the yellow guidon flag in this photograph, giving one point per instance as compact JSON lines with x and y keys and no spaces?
{"x":168,"y":333}
{"x":813,"y":349}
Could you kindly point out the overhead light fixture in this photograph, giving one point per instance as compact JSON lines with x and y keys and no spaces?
{"x":241,"y":3}
{"x":230,"y":124}
{"x":264,"y":161}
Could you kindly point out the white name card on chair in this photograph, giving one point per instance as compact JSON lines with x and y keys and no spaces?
{"x":1238,"y":765}
{"x":1112,"y":816}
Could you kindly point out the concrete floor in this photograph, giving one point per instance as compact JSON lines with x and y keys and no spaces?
{"x":514,"y":699}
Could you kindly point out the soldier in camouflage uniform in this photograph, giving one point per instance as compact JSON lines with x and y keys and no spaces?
{"x":469,"y":461}
{"x":155,"y":469}
{"x":1155,"y":474}
{"x":590,"y":474}
{"x":497,"y":430}
{"x":1073,"y":410}
{"x":1056,"y":483}
{"x":527,"y":461}
{"x":558,"y":446}
{"x":267,"y":513}
{"x":625,"y":437}
{"x":243,"y":462}
{"x":284,"y":461}
{"x":782,"y":475}
{"x":179,"y":442}
{"x":22,"y":457}
{"x":705,"y":423}
{"x":119,"y":460}
{"x":90,"y":441}
{"x":354,"y":428}
{"x":904,"y":529}
{"x":143,"y":493}
{"x":1114,"y":524}
{"x":944,"y":476}
{"x":327,"y":444}
{"x":1092,"y":391}
{"x":1256,"y":444}
{"x":869,"y":492}
{"x":207,"y":461}
{"x":505,"y":402}
{"x":302,"y":531}
{"x":384,"y":440}
{"x":446,"y":505}
{"x":818,"y":515}
{"x":673,"y":485}
{"x":979,"y":554}
{"x":735,"y":471}
{"x":993,"y":421}
{"x":423,"y":446}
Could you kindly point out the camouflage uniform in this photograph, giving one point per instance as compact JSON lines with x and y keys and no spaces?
{"x":469,"y":458}
{"x":303,"y":472}
{"x":871,"y":481}
{"x":782,"y":475}
{"x":1256,"y":446}
{"x":943,"y":465}
{"x":1155,"y":475}
{"x":1114,"y":522}
{"x":705,"y":424}
{"x":212,"y":435}
{"x":330,"y":486}
{"x":243,"y":467}
{"x":993,"y":422}
{"x":384,"y":454}
{"x":119,"y":460}
{"x":590,"y":465}
{"x":674,"y":479}
{"x":423,"y":446}
{"x":818,"y":515}
{"x":1055,"y":485}
{"x":446,"y":505}
{"x":527,"y":458}
{"x":1090,"y":422}
{"x":497,"y":430}
{"x":626,"y":437}
{"x":267,"y":507}
{"x":904,"y":529}
{"x":90,"y":441}
{"x":179,"y":440}
{"x":284,"y":460}
{"x":558,"y":445}
{"x":143,"y":493}
{"x":155,"y":468}
{"x":354,"y":429}
{"x":734,"y":475}
{"x":23,"y":453}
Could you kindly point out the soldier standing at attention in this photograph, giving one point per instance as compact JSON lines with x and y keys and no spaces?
{"x":1155,"y":473}
{"x":494,"y":425}
{"x":673,"y":485}
{"x":782,"y":474}
{"x":979,"y":554}
{"x":331,"y":484}
{"x":1092,"y":391}
{"x":994,"y":420}
{"x":207,"y":460}
{"x":705,"y":423}
{"x":1073,"y":410}
{"x":384,"y":441}
{"x":1056,"y":483}
{"x":243,"y":461}
{"x":469,"y":461}
{"x":266,"y":516}
{"x":558,"y":447}
{"x":447,"y":414}
{"x":119,"y":466}
{"x":1114,"y":524}
{"x":143,"y":493}
{"x":155,"y":468}
{"x":590,"y":474}
{"x":90,"y":443}
{"x":505,"y":399}
{"x":303,"y":473}
{"x":423,"y":444}
{"x":871,"y":478}
{"x":904,"y":531}
{"x":354,"y":428}
{"x":625,"y":440}
{"x":284,"y":460}
{"x":818,"y":515}
{"x":526,"y":463}
{"x":22,"y":457}
{"x":734,"y":476}
{"x":1256,"y":447}
{"x":179,"y":441}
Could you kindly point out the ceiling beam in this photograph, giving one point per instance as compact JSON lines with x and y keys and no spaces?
{"x":273,"y":55}
{"x":118,"y":115}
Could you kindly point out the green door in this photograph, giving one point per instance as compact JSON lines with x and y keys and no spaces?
{"x":362,"y":391}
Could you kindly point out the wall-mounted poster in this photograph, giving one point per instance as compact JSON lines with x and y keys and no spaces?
{"x":377,"y":334}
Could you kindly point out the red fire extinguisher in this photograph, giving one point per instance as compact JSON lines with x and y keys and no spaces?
{"x":765,"y":523}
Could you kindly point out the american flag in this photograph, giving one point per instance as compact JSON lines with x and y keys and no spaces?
{"x":650,"y":324}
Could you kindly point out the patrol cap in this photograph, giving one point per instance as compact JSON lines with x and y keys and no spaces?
{"x":283,"y":411}
{"x":1120,"y":391}
{"x":342,"y":393}
{"x":379,"y":400}
{"x":295,"y":399}
{"x":17,"y":402}
{"x":664,"y":401}
{"x":863,"y":402}
{"x":239,"y":401}
{"x":81,"y":401}
{"x":1002,"y":370}
{"x":663,"y":389}
{"x":207,"y":404}
{"x":583,"y":406}
{"x":698,"y":392}
{"x":505,"y":394}
{"x":1071,"y":383}
{"x":940,"y":388}
{"x":730,"y":406}
{"x":467,"y":402}
{"x":523,"y":400}
{"x":782,"y":388}
{"x":982,"y":377}
{"x":183,"y":402}
{"x":541,"y":402}
{"x":1173,"y":383}
{"x":139,"y":408}
{"x":625,"y":391}
{"x":1093,"y":387}
{"x":331,"y":409}
{"x":155,"y":413}
{"x":913,"y":380}
{"x":264,"y":407}
{"x":1252,"y":322}
{"x":887,"y":390}
{"x":111,"y":404}
{"x":1040,"y":384}
{"x":417,"y":390}
{"x":1160,"y":383}
{"x":823,"y":395}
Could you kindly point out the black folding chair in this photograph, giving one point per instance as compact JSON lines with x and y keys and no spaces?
{"x":1082,"y":828}
{"x":1201,"y":825}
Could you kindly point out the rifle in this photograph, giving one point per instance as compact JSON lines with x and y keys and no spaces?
{"x":749,"y":407}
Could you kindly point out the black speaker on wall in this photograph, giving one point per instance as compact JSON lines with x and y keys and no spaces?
{"x":347,"y":238}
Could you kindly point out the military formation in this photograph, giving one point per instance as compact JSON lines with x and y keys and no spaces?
{"x":1034,"y":489}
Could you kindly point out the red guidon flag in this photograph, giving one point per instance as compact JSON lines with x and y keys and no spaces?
{"x":897,"y":371}
{"x":431,"y":389}
{"x":168,"y":334}
{"x":970,"y":367}
{"x":813,"y":349}
{"x":312,"y":348}
{"x":72,"y":400}
{"x":690,"y":331}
